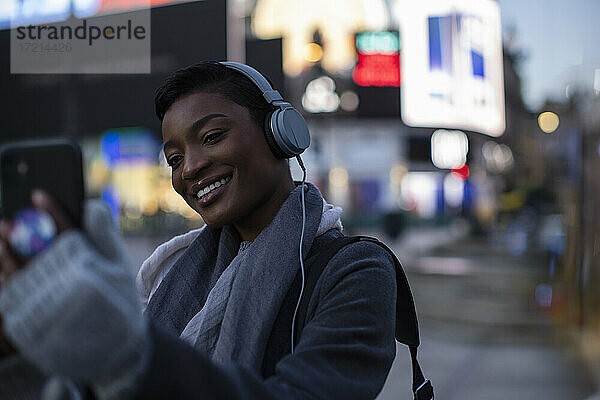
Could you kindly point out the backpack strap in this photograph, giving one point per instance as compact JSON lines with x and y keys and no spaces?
{"x":322,"y":251}
{"x":407,"y":327}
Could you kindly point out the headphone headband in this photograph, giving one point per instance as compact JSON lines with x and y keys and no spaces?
{"x":257,"y":78}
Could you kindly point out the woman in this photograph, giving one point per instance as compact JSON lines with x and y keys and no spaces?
{"x":212,"y":326}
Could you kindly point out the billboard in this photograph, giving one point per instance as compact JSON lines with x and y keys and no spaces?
{"x":32,"y":12}
{"x":452,"y":65}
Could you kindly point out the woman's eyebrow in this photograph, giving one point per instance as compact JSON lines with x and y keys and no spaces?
{"x":196,"y":126}
{"x":202,"y":121}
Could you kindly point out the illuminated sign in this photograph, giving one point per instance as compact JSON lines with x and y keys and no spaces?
{"x":128,"y":145}
{"x":378,"y":56}
{"x":449,"y":149}
{"x":378,"y":42}
{"x":452,"y":65}
{"x":32,"y":12}
{"x":337,"y":21}
{"x":112,"y":6}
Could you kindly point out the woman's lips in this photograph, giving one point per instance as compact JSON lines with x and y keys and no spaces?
{"x":210,"y":193}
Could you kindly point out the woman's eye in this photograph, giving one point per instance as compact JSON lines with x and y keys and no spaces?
{"x":173,"y":161}
{"x":212,"y":137}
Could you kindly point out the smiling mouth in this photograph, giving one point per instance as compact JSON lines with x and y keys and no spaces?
{"x":215,"y":185}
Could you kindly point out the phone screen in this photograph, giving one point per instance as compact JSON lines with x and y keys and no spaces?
{"x":51,"y":165}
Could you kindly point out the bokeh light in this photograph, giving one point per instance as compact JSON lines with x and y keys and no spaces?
{"x":349,"y":101}
{"x":397,"y":172}
{"x":312,"y":52}
{"x":453,"y":190}
{"x":338,"y":177}
{"x":449,"y":149}
{"x":548,"y":121}
{"x":419,"y":191}
{"x":320,"y":96}
{"x":461,"y":173}
{"x":498,"y":157}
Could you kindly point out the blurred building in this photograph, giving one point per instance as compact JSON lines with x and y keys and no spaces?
{"x":343,"y":69}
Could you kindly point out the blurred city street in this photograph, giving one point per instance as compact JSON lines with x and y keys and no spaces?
{"x":463,"y":134}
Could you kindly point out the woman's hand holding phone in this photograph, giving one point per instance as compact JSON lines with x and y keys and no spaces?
{"x":10,"y":261}
{"x":73,"y":309}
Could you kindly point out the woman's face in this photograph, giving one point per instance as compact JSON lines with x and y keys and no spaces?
{"x":220,"y":161}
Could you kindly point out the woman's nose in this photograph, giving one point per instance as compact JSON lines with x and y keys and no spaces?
{"x":193,"y":166}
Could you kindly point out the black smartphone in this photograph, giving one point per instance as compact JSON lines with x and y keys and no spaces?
{"x":54,"y":165}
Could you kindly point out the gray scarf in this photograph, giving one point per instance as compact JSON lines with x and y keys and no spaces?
{"x":225,"y":303}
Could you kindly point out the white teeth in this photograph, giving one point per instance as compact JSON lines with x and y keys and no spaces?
{"x":212,"y":186}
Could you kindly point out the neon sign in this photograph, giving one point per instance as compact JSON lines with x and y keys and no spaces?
{"x":378,"y":59}
{"x":377,"y":42}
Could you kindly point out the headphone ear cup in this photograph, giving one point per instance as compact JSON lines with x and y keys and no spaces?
{"x":290,"y":131}
{"x":270,"y":120}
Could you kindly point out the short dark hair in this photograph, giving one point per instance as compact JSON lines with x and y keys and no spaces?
{"x":212,"y":77}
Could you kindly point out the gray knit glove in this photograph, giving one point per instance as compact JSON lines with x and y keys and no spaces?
{"x":74,"y":310}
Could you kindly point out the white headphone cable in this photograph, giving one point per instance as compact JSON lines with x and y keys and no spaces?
{"x":300,"y":251}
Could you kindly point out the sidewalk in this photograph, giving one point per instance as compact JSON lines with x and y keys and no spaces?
{"x":482,"y":334}
{"x":589,"y":348}
{"x":466,"y":364}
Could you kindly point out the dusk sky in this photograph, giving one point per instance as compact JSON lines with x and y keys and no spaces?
{"x":560,"y":39}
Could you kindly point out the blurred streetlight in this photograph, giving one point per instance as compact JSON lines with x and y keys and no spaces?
{"x":548,"y":121}
{"x":312,"y":52}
